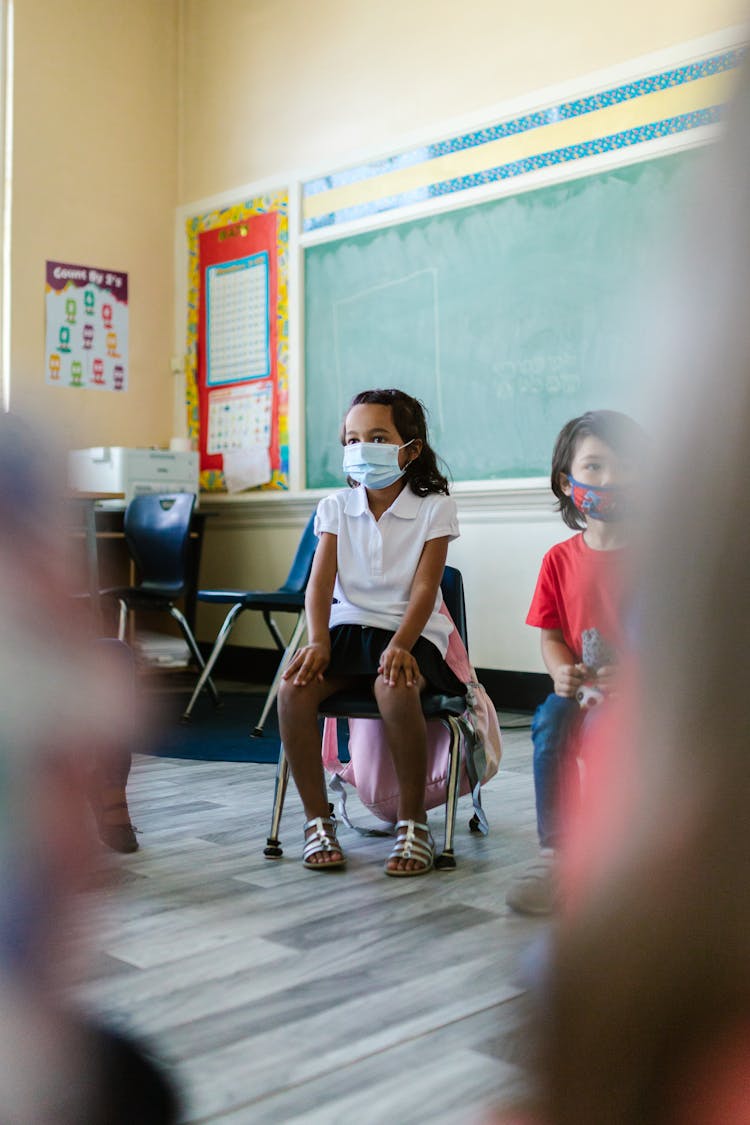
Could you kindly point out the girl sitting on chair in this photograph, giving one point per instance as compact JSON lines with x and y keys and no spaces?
{"x":373,"y":614}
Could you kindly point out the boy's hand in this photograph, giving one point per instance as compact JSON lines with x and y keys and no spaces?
{"x":606,"y":678}
{"x":395,"y":661}
{"x":308,"y":663}
{"x":568,"y":678}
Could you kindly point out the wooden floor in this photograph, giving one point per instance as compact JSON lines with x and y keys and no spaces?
{"x":275,"y":994}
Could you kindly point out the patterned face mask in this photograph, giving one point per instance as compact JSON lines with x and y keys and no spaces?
{"x":606,"y":502}
{"x":373,"y":464}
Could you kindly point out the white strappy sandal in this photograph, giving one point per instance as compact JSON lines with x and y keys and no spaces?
{"x":323,"y":839}
{"x":410,"y":846}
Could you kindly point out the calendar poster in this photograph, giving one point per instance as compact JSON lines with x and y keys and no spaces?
{"x":237,"y":321}
{"x":86,"y":334}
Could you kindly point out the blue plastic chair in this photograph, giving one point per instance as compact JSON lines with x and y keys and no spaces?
{"x":288,"y":598}
{"x":362,"y":705}
{"x":157,"y":531}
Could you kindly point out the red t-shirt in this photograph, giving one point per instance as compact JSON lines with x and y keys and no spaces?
{"x":578,"y":589}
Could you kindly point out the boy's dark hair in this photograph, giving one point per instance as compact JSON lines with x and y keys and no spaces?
{"x":410,"y":419}
{"x":624,"y":436}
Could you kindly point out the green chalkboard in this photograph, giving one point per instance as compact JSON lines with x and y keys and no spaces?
{"x":505,"y":318}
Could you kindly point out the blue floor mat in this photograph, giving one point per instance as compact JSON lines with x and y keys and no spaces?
{"x":220,"y":734}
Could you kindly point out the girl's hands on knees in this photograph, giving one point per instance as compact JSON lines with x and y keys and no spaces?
{"x":308,"y":663}
{"x":568,"y":678}
{"x":396,"y":661}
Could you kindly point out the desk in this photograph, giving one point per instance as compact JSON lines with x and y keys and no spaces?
{"x":83,"y":505}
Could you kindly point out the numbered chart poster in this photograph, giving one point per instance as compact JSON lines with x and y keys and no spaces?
{"x":86,"y":327}
{"x":238,"y":353}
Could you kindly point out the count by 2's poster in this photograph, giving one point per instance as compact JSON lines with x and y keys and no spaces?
{"x":86,"y":327}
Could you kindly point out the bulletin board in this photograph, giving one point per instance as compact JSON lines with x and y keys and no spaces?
{"x":237,"y":347}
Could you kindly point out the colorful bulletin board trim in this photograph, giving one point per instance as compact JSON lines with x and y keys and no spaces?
{"x":237,"y":366}
{"x":86,"y":337}
{"x":669,"y":102}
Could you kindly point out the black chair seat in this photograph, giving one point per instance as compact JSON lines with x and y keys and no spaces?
{"x":278,"y":600}
{"x":142,"y":597}
{"x":349,"y":705}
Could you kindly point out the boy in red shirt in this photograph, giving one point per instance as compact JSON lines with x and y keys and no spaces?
{"x":578,"y":605}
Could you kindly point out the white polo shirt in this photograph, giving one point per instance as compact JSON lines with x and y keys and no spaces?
{"x":377,"y":559}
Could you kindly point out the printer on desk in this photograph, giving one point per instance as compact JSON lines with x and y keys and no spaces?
{"x":132,"y":471}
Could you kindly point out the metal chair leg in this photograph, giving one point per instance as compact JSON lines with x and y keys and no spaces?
{"x":193,"y":646}
{"x":273,"y":691}
{"x":214,"y":655}
{"x":273,"y":849}
{"x":446,"y":861}
{"x":274,"y":630}
{"x":122,"y":626}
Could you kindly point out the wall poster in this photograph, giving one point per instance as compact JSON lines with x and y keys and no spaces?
{"x":86,"y":336}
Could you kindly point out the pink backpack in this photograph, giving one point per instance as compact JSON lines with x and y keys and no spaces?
{"x":370,"y":769}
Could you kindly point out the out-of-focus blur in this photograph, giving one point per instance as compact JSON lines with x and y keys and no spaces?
{"x":646,"y":1011}
{"x":63,"y":710}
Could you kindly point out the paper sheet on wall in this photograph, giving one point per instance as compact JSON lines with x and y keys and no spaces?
{"x":246,"y":468}
{"x":239,"y":427}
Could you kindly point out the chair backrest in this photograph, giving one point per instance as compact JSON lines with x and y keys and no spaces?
{"x":299,"y":572}
{"x":157,"y":527}
{"x":452,"y":587}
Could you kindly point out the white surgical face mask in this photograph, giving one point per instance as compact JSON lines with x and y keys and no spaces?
{"x":373,"y":463}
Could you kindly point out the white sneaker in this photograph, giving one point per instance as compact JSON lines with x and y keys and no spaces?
{"x":535,"y":891}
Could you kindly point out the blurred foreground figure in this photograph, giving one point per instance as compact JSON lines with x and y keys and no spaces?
{"x":645,"y":1012}
{"x":62,"y":715}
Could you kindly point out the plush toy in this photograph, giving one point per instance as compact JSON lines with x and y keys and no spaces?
{"x":588,"y":695}
{"x":596,"y":654}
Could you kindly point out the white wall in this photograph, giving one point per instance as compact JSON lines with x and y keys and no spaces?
{"x":271,"y":93}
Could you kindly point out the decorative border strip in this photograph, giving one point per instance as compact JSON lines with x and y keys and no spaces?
{"x":699,"y":91}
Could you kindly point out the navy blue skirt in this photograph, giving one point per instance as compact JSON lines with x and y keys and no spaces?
{"x":356,"y":651}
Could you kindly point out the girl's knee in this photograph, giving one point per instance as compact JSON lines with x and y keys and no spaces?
{"x":396,"y":697}
{"x":294,"y":700}
{"x":286,"y":689}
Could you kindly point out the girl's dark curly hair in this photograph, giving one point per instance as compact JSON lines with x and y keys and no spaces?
{"x":409,"y":417}
{"x":624,"y":436}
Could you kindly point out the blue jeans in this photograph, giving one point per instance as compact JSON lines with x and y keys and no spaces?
{"x":554,"y":724}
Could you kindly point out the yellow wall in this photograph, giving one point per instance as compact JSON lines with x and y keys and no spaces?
{"x":95,"y":183}
{"x":270,"y":87}
{"x":275,"y":89}
{"x":125,"y":109}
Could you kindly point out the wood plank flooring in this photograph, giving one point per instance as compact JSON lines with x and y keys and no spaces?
{"x":274,"y":994}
